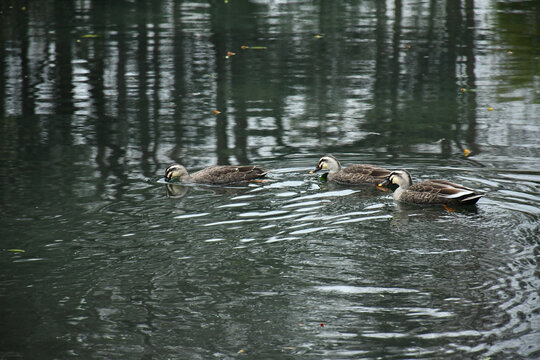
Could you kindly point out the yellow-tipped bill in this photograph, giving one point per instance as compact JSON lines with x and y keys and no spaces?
{"x":384,"y":183}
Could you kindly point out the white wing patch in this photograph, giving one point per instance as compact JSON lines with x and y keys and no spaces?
{"x":458,"y":194}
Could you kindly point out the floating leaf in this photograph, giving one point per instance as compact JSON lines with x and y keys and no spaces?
{"x":90,"y":36}
{"x":466,"y":152}
{"x":230,"y":53}
{"x":462,"y":89}
{"x":449,"y":209}
{"x":490,"y":108}
{"x":408,"y":46}
{"x":216,"y":112}
{"x":16,"y":250}
{"x":241,"y":351}
{"x":509,"y":52}
{"x":245,"y":47}
{"x":322,"y":324}
{"x":289,"y":348}
{"x":319,"y":36}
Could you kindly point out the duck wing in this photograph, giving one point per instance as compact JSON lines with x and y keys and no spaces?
{"x":361,"y":173}
{"x":441,"y":192}
{"x":227,"y":174}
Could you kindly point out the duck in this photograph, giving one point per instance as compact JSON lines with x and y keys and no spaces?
{"x":217,"y":174}
{"x":353,"y":175}
{"x":430,"y":191}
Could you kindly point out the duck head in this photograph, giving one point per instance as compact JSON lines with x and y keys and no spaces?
{"x":401,"y":178}
{"x":176,"y":171}
{"x":327,"y":162}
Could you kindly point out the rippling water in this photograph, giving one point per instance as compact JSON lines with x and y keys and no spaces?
{"x":102,"y":259}
{"x":292,"y":266}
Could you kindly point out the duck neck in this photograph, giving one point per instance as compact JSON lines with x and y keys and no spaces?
{"x":398,"y":192}
{"x":186,"y":179}
{"x":336,"y":166}
{"x":405,"y":184}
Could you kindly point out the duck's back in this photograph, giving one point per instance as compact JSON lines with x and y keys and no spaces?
{"x":440,"y":192}
{"x":227,"y":174}
{"x":360,"y":174}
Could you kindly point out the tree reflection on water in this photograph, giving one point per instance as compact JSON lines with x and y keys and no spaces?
{"x":137,"y":82}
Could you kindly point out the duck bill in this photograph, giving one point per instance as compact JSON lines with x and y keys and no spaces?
{"x":384,"y":183}
{"x":315,"y":170}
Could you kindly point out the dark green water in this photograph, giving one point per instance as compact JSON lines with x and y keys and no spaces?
{"x":100,"y":261}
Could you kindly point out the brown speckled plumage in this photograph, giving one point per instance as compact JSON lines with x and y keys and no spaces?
{"x":431,"y":191}
{"x":217,"y":174}
{"x":352,"y":175}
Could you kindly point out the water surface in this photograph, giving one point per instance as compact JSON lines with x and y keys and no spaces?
{"x":100,"y":259}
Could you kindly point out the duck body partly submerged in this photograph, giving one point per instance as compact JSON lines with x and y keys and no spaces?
{"x":430,"y":191}
{"x":217,"y":174}
{"x":353,"y":175}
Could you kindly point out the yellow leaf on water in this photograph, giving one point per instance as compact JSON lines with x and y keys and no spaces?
{"x":490,"y":108}
{"x":16,"y":250}
{"x":241,"y":351}
{"x":466,"y":152}
{"x":216,"y":112}
{"x":90,"y":36}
